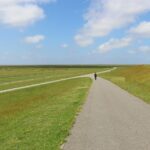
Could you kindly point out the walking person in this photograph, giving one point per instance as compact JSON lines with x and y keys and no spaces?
{"x":95,"y":76}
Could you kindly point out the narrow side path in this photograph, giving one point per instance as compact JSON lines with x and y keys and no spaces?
{"x":111,"y":119}
{"x":54,"y":81}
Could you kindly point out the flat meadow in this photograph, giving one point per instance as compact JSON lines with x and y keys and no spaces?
{"x":12,"y":77}
{"x":40,"y":117}
{"x":134,"y":79}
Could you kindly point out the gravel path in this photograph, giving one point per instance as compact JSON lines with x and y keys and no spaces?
{"x":111,"y":119}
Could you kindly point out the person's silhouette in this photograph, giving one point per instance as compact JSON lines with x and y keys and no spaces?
{"x":95,"y":76}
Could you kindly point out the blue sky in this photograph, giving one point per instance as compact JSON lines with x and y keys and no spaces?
{"x":74,"y":32}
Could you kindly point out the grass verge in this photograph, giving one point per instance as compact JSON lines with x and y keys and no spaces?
{"x":41,"y":117}
{"x":135,"y":79}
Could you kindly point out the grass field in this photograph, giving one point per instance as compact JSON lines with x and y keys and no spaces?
{"x":12,"y":77}
{"x":40,"y":118}
{"x":135,"y":79}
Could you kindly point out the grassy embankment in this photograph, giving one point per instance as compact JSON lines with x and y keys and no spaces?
{"x":134,"y":79}
{"x":11,"y":77}
{"x":40,"y":118}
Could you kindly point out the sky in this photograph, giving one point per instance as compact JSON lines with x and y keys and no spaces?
{"x":74,"y":32}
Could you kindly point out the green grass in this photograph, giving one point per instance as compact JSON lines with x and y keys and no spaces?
{"x":9,"y":76}
{"x":40,"y":118}
{"x":134,"y":79}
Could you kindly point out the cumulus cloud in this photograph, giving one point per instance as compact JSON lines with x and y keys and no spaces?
{"x":114,"y":44}
{"x":21,"y":13}
{"x":34,"y":39}
{"x":82,"y":40}
{"x":142,"y":30}
{"x":104,"y":16}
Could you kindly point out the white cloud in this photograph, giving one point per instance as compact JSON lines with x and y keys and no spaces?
{"x":34,"y":39}
{"x":82,"y":41}
{"x":114,"y":44}
{"x":21,"y":13}
{"x":144,"y":49}
{"x":142,"y":30}
{"x":64,"y":45}
{"x":104,"y":16}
